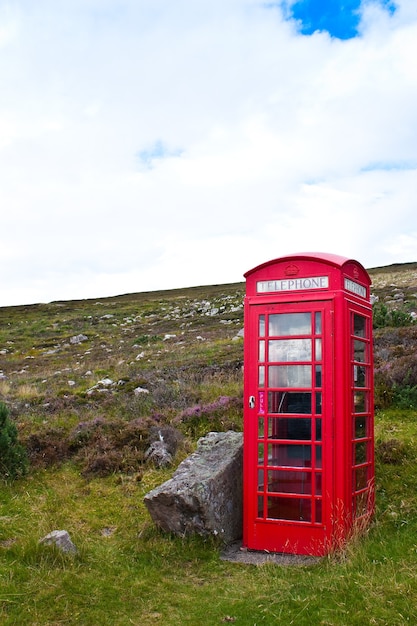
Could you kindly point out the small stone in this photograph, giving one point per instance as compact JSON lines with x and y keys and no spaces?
{"x":61,"y":539}
{"x":78,"y":339}
{"x":158,"y":454}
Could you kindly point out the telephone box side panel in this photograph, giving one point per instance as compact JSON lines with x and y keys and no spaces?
{"x":249,"y":427}
{"x":341,"y":422}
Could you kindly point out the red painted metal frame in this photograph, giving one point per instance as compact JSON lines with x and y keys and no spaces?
{"x":347,"y":291}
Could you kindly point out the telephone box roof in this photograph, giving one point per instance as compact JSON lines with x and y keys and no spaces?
{"x":330,"y":259}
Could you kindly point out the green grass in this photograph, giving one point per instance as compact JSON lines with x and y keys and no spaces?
{"x":128,"y":572}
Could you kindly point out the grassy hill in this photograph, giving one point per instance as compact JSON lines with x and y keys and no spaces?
{"x":86,"y":381}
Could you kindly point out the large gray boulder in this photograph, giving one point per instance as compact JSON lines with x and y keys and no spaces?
{"x":204,"y":495}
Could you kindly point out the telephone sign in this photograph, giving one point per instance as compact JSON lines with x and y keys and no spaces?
{"x":308,"y":412}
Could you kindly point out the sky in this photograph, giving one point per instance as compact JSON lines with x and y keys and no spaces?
{"x":152,"y":144}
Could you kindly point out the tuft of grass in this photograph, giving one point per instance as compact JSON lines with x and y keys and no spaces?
{"x":5,"y":388}
{"x":27,"y":392}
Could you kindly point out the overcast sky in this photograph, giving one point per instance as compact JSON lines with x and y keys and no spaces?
{"x":155,"y":144}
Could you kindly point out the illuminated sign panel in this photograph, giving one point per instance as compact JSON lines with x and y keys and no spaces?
{"x":350,"y":285}
{"x":293,"y":284}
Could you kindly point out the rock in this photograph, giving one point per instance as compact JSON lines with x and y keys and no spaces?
{"x":204,"y":495}
{"x":139,"y":390}
{"x":78,"y":339}
{"x":61,"y":539}
{"x":105,"y":382}
{"x":158,"y":453}
{"x":164,"y":442}
{"x":239,"y":335}
{"x":101,"y":385}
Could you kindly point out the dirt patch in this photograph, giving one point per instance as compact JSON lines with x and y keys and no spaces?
{"x":235,"y":553}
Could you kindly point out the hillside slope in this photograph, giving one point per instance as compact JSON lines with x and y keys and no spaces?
{"x":166,"y":357}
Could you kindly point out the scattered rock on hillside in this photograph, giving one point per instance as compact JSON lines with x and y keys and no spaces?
{"x":61,"y":539}
{"x":240,"y":335}
{"x":164,"y":443}
{"x":78,"y":339}
{"x":139,"y":390}
{"x":158,"y":454}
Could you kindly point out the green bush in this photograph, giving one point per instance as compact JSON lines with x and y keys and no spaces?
{"x":383,"y":317}
{"x":13,"y":457}
{"x":406,"y":397}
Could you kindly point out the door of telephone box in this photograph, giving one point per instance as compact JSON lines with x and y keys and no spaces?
{"x":288,"y":414}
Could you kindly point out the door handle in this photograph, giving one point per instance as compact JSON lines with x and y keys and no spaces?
{"x":251,"y":402}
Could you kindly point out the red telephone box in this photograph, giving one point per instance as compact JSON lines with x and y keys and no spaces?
{"x":308,"y":404}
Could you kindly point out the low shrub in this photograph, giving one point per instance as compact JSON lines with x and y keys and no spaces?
{"x":47,"y":447}
{"x":395,"y":372}
{"x":391,"y":452}
{"x":106,"y":460}
{"x":225,"y":413}
{"x":13,"y":457}
{"x":100,"y":446}
{"x":405,"y":397}
{"x":385,"y":317}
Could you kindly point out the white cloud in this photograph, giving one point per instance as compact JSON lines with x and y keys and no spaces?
{"x":257,"y":142}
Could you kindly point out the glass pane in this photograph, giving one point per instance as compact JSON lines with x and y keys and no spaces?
{"x":318,"y":484}
{"x":294,"y":509}
{"x":318,"y":429}
{"x":360,"y":452}
{"x":359,"y":351}
{"x":318,"y":402}
{"x":359,"y":325}
{"x":289,"y":482}
{"x":261,"y":428}
{"x":290,"y":324}
{"x":318,"y":457}
{"x":260,"y":506}
{"x":318,"y":349}
{"x":359,"y":401}
{"x":261,"y":350}
{"x":289,"y":376}
{"x":261,"y":376}
{"x":289,"y":455}
{"x":261,"y":453}
{"x":318,"y":323}
{"x":360,"y":427}
{"x":318,"y":375}
{"x":262,"y":325}
{"x":361,"y":478}
{"x":289,"y":428}
{"x":319,"y":507}
{"x":359,"y":375}
{"x":289,"y":402}
{"x":261,"y":482}
{"x":289,"y":350}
